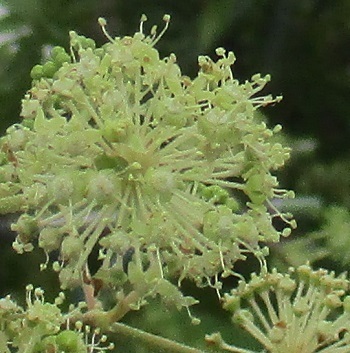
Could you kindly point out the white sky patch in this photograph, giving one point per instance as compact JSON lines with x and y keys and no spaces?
{"x":11,"y":36}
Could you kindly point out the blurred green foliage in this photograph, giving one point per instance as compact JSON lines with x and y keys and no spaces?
{"x":302,"y":44}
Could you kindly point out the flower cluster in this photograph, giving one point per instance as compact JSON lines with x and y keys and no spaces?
{"x":119,"y":150}
{"x":304,"y":311}
{"x":42,"y":327}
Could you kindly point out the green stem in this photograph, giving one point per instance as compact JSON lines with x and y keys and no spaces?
{"x":156,"y":341}
{"x":123,"y":307}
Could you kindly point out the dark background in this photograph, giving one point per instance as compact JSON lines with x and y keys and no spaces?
{"x":304,"y":45}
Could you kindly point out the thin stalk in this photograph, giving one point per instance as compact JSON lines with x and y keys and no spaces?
{"x":155,"y":341}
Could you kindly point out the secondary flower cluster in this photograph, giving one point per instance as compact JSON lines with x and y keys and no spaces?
{"x":304,"y":311}
{"x":168,"y":176}
{"x":42,"y":327}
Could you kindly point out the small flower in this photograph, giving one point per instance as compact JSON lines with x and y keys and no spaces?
{"x":41,"y":326}
{"x":24,"y":328}
{"x":118,"y":149}
{"x":80,"y":341}
{"x":304,"y":311}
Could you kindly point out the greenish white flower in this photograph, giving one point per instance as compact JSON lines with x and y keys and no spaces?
{"x":118,"y":149}
{"x":303,"y":311}
{"x":40,"y":326}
